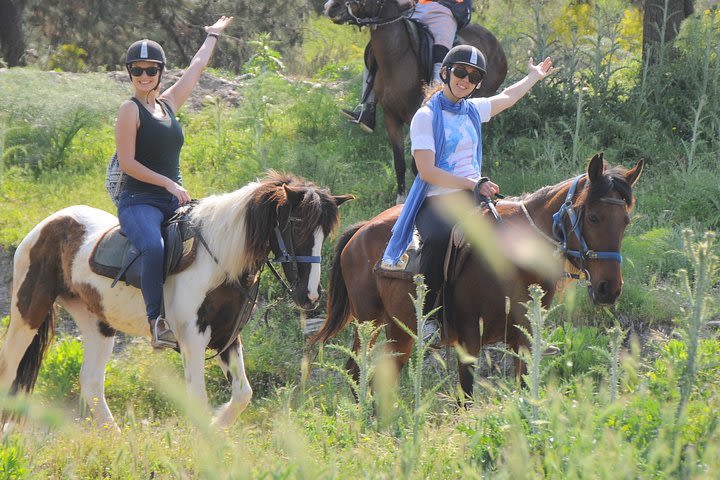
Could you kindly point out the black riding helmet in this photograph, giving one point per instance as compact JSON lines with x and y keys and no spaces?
{"x":146,"y":51}
{"x":465,"y":55}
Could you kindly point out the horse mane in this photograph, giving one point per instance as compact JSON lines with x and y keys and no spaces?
{"x":613,"y":178}
{"x":221,"y":219}
{"x":238,"y":226}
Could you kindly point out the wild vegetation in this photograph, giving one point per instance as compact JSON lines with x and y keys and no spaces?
{"x":633,"y":390}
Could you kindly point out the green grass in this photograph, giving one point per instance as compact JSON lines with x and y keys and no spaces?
{"x":54,"y":148}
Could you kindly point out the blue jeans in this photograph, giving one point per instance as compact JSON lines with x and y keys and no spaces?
{"x":141,"y":216}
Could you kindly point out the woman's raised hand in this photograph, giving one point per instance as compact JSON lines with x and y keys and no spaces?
{"x":219,"y":26}
{"x":542,"y":69}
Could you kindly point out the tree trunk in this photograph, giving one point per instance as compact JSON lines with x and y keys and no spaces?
{"x":661,"y":23}
{"x":12,"y":40}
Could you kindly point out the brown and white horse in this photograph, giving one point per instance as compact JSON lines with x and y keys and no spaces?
{"x":202,"y":302}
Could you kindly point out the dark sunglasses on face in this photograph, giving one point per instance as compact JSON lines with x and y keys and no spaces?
{"x":461,"y":72}
{"x":137,"y":71}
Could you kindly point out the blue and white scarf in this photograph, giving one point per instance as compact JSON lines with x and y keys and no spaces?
{"x":403,"y":230}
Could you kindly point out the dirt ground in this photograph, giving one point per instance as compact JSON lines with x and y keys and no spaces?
{"x":207,"y":88}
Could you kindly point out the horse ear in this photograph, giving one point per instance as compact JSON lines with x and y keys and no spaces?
{"x":596,"y":166}
{"x":633,"y":174}
{"x":294,"y":195}
{"x":340,"y":199}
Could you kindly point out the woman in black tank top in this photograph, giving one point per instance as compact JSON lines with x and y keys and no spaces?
{"x":148,"y":140}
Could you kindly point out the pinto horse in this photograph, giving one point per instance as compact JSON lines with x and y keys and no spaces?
{"x":399,"y":78}
{"x":284,"y":214}
{"x":585,"y":217}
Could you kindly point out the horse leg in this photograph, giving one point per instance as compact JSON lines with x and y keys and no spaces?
{"x":232,"y":363}
{"x":98,"y":341}
{"x":17,"y":340}
{"x":351,"y":366}
{"x":394,"y":126}
{"x":400,"y":344}
{"x":193,"y":345}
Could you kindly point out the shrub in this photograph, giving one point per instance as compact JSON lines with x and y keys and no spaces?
{"x":46,"y":123}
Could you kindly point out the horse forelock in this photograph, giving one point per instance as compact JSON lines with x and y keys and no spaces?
{"x":317,"y":208}
{"x":612,"y":179}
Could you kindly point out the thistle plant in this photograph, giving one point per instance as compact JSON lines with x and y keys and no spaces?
{"x":617,"y":336}
{"x":704,"y":261}
{"x":415,"y":364}
{"x":537,"y":316}
{"x":367,"y":361}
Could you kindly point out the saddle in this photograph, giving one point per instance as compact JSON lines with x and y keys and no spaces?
{"x":115,"y":257}
{"x":422,"y":41}
{"x":408,"y":266}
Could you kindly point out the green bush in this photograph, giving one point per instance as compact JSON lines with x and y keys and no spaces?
{"x":46,"y":124}
{"x":68,"y":58}
{"x":58,"y":380}
{"x":13,"y":459}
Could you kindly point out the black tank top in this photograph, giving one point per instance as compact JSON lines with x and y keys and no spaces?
{"x":157,"y":146}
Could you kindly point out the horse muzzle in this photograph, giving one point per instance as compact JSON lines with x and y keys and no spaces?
{"x":603,"y":293}
{"x":305,"y":301}
{"x":336,"y":11}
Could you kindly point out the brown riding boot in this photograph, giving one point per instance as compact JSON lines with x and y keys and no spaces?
{"x":162,"y":335}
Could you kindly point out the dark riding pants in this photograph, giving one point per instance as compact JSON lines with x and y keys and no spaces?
{"x":434,"y":232}
{"x":141,"y":217}
{"x":435,"y":227}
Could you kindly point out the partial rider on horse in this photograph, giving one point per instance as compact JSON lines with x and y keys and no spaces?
{"x":447,"y":147}
{"x":443,"y":18}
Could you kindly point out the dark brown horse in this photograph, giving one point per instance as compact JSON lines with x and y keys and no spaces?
{"x":585,"y":217}
{"x":399,"y":78}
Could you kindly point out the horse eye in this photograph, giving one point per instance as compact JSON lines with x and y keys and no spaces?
{"x":593,"y":218}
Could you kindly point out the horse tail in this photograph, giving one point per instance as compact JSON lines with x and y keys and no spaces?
{"x":338,"y":302}
{"x":29,"y":367}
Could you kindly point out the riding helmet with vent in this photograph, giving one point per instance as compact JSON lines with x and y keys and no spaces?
{"x":145,"y":51}
{"x":466,"y":55}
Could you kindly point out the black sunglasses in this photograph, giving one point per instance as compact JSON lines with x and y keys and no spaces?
{"x":461,"y":72}
{"x":151,"y":71}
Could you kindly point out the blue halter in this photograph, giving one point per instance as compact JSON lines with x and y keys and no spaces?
{"x":561,"y":235}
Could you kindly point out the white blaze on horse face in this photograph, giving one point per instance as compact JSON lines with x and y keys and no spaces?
{"x":314,"y":277}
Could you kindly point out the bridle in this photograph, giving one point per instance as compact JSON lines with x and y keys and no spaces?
{"x":561,"y":233}
{"x":376,"y":21}
{"x":287,"y":253}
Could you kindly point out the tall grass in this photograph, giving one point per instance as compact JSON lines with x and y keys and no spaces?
{"x":660,"y":419}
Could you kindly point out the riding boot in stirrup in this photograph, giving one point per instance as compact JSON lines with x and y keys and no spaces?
{"x":363,"y":115}
{"x":162,"y":336}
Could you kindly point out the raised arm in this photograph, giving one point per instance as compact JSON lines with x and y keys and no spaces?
{"x":509,"y":97}
{"x":180,"y":91}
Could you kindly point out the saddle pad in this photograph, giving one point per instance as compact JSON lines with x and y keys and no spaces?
{"x":114,"y":254}
{"x":409,"y":264}
{"x":107,"y":257}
